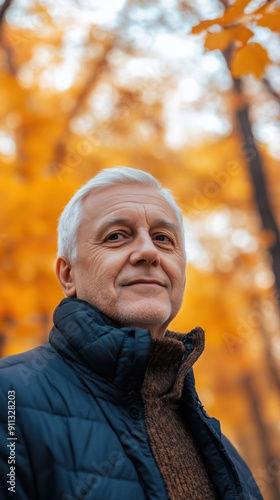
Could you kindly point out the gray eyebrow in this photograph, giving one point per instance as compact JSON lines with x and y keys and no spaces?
{"x":111,"y":222}
{"x":126,"y":220}
{"x":166,"y":223}
{"x":115,"y":220}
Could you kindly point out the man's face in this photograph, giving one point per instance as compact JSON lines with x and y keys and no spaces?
{"x":130,"y":257}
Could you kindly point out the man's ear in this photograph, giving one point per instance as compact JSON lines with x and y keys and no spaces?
{"x":65,"y":276}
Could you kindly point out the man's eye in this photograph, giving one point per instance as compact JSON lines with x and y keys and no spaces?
{"x":163,"y":237}
{"x":115,"y":237}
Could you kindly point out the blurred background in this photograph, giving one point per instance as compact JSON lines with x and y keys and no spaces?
{"x":188,"y":90}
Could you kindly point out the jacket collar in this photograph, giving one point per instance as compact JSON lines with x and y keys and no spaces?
{"x":95,"y":344}
{"x":88,"y":338}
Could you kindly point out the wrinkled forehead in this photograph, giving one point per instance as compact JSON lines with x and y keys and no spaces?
{"x":126,"y":197}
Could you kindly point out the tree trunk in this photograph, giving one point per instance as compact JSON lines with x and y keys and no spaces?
{"x":256,"y":170}
{"x":261,"y":190}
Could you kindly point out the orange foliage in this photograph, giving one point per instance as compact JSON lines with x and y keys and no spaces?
{"x":252,"y":58}
{"x":249,"y":58}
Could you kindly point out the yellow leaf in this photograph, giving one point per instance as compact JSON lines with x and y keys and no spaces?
{"x":271,"y":20}
{"x":249,"y":59}
{"x":234,"y":11}
{"x":263,"y":8}
{"x":219,"y":40}
{"x":231,"y":14}
{"x":203,"y":25}
{"x":222,"y":39}
{"x":241,"y":34}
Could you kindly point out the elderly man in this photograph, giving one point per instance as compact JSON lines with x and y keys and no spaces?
{"x":107,"y":409}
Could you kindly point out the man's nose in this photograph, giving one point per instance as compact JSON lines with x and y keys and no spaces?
{"x":144,"y":251}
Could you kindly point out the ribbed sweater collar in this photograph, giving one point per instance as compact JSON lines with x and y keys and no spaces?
{"x":169,"y":362}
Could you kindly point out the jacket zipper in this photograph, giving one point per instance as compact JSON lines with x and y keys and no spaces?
{"x":232,"y":473}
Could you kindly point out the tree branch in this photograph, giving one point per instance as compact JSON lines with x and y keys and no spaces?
{"x":4,"y":9}
{"x":259,"y":182}
{"x":5,"y":46}
{"x":261,"y":190}
{"x":271,"y":89}
{"x":59,"y":150}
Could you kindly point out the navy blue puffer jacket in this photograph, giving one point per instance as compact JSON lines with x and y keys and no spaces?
{"x":79,"y":420}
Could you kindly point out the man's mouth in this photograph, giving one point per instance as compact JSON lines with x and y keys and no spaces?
{"x":144,"y":282}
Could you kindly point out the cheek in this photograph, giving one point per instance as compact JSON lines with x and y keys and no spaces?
{"x":176,"y":272}
{"x":105,"y":268}
{"x":178,"y":282}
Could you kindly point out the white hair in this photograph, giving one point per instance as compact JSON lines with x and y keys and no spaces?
{"x":71,"y":216}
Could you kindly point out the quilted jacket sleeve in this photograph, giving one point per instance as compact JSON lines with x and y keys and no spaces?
{"x":245,"y":475}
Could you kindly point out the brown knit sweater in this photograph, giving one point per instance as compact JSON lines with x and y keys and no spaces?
{"x":173,"y":446}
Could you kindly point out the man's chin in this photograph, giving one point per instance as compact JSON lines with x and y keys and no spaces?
{"x":148,"y":318}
